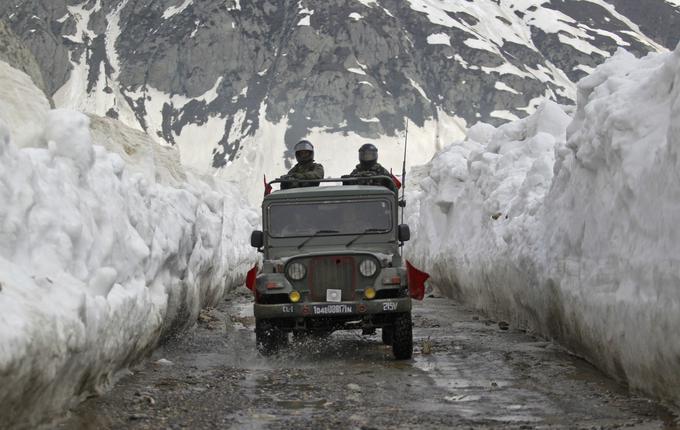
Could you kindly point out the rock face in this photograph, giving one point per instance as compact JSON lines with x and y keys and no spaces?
{"x":14,"y":52}
{"x":658,"y":19}
{"x":170,"y":67}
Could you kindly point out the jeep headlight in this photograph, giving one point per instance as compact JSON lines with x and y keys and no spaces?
{"x":368,"y":268}
{"x":296,"y":271}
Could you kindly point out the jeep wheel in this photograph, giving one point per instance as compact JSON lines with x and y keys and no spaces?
{"x":268,"y":337}
{"x":402,"y":337}
{"x":387,"y":334}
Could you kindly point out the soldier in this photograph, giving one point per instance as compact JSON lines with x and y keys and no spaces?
{"x":305,"y":168}
{"x":368,"y":166}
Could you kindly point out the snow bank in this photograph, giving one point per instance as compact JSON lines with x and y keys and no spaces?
{"x":100,"y":258}
{"x":571,"y":227}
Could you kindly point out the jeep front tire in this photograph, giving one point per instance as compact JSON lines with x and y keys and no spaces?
{"x":387,"y":335}
{"x":402,"y":337}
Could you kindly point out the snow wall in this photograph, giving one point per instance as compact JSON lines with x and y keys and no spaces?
{"x":106,"y":246}
{"x":568,"y":222}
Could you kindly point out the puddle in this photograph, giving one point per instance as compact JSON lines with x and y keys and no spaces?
{"x":425,"y":363}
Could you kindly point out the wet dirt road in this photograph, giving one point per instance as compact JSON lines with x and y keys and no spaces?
{"x":466,"y":372}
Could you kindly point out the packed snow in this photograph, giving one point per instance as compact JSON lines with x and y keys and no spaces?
{"x":568,"y":223}
{"x":106,"y":246}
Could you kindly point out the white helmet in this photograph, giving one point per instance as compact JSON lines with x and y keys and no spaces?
{"x":304,"y":151}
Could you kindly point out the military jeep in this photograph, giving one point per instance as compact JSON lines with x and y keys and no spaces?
{"x":332,"y":261}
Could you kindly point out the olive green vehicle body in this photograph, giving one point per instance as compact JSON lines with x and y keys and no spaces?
{"x":332,"y":261}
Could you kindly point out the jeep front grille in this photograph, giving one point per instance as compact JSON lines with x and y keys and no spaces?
{"x":334,"y":272}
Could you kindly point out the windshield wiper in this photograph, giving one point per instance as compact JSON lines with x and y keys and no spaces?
{"x":315,"y":235}
{"x":368,"y":230}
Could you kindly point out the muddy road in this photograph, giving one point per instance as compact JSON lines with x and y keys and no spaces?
{"x":466,"y":372}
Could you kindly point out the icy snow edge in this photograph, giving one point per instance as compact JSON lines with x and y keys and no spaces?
{"x":571,"y":226}
{"x":98,"y":259}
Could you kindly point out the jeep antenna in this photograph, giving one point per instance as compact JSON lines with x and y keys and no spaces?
{"x":402,"y":203}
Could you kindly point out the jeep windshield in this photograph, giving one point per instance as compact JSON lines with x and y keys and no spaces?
{"x":329,"y":218}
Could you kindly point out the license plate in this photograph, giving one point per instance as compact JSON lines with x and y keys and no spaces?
{"x":332,"y":309}
{"x":333,"y":295}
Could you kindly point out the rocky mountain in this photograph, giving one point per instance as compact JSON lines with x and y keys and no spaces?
{"x":14,"y":52}
{"x":237,"y":83}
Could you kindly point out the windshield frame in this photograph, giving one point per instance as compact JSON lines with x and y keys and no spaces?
{"x":354,"y":200}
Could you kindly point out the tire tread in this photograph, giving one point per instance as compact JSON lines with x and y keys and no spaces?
{"x":402,"y":337}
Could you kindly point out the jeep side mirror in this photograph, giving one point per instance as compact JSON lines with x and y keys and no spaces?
{"x":404,"y":232}
{"x":257,"y":239}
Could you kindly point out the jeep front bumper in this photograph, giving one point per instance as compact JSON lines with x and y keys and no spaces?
{"x":330,"y":309}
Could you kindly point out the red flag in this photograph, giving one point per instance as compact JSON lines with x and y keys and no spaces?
{"x":251,"y":277}
{"x":396,"y":181}
{"x":267,"y":187}
{"x":416,"y":281}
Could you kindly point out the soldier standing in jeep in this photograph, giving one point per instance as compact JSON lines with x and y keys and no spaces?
{"x":305,"y":168}
{"x":368,"y":166}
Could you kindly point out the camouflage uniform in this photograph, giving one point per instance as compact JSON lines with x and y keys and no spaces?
{"x":305,"y":170}
{"x":375,"y":170}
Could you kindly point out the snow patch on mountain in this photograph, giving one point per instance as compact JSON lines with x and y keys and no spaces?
{"x":174,"y":10}
{"x":106,"y":97}
{"x":567,"y":222}
{"x":267,"y":140}
{"x":439,"y":39}
{"x":507,"y":21}
{"x":368,"y":3}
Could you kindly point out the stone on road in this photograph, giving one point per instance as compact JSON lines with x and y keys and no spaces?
{"x":466,"y":371}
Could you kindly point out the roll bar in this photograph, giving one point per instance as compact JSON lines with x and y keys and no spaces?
{"x":353,"y":179}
